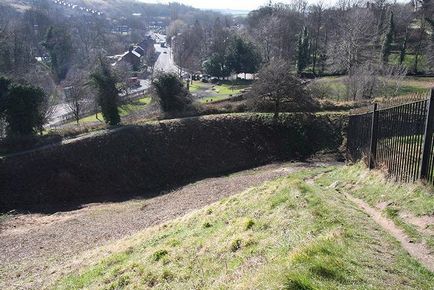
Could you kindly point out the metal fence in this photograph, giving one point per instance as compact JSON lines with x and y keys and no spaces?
{"x":396,"y":138}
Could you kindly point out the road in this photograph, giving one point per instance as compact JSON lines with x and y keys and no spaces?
{"x":165,"y":58}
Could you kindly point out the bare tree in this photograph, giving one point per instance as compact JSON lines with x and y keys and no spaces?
{"x":361,"y":82}
{"x":123,"y":71}
{"x":316,"y":19}
{"x":77,"y":94}
{"x":391,"y":80}
{"x":373,"y":80}
{"x":277,"y":87}
{"x":353,"y":42}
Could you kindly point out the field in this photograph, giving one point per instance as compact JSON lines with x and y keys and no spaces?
{"x":321,"y":227}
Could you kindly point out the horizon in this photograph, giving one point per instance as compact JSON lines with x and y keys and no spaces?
{"x":241,"y":5}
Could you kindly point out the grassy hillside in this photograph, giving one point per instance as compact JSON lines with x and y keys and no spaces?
{"x":297,"y":232}
{"x":410,"y":206}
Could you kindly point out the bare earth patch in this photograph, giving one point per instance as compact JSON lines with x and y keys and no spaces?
{"x":36,"y":249}
{"x":419,"y":251}
{"x":425,"y":223}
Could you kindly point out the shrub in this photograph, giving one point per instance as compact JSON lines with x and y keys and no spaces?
{"x":170,"y":93}
{"x":277,"y":90}
{"x":107,"y":96}
{"x":22,"y":110}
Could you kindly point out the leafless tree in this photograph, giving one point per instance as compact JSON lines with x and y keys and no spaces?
{"x":374,"y":80}
{"x":316,"y":22}
{"x":77,"y":93}
{"x":276,"y":86}
{"x":391,"y":80}
{"x":361,"y":82}
{"x":353,"y":43}
{"x":123,"y":72}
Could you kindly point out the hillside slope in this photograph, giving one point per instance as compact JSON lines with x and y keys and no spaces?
{"x":297,"y":232}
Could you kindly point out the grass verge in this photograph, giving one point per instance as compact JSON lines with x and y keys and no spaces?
{"x":124,"y":110}
{"x":291,"y":233}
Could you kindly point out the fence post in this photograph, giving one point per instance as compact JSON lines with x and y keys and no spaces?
{"x":427,"y":137}
{"x":373,"y":145}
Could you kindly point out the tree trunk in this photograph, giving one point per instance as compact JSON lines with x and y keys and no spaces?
{"x":403,"y":48}
{"x":276,"y":109}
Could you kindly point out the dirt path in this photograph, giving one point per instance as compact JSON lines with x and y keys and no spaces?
{"x":36,"y":249}
{"x":418,"y":251}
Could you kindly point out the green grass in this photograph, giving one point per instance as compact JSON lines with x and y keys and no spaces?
{"x":124,"y":110}
{"x":335,"y":88}
{"x":225,"y":90}
{"x":416,"y":199}
{"x":213,"y":99}
{"x":290,"y":233}
{"x":198,"y":86}
{"x":409,"y":60}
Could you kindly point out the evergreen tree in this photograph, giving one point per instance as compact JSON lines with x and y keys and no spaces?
{"x":242,"y":56}
{"x":216,"y":66}
{"x":403,"y":49}
{"x":59,"y":46}
{"x":303,"y":48}
{"x":170,"y":93}
{"x":22,"y":109}
{"x":388,"y":39}
{"x":4,"y":88}
{"x":107,"y":96}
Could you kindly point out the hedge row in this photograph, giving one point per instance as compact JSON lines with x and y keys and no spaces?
{"x":138,"y":159}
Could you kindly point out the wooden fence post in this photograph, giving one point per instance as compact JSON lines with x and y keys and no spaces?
{"x":427,"y":137}
{"x":373,"y":145}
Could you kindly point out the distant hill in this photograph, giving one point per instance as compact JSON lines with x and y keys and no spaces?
{"x":233,"y":12}
{"x":20,"y":5}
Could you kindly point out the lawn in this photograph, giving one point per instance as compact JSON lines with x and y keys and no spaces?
{"x":124,"y":110}
{"x":213,"y":99}
{"x":198,"y":86}
{"x":409,"y":60}
{"x":297,"y":232}
{"x":335,"y":88}
{"x":208,"y":92}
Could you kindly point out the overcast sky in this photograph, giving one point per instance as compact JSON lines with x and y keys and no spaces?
{"x":226,"y":4}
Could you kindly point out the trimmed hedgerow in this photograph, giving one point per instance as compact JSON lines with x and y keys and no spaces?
{"x":137,"y":159}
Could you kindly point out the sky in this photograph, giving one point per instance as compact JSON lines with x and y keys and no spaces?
{"x":224,"y":4}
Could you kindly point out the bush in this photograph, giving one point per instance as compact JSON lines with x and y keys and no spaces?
{"x":107,"y":96}
{"x":277,"y":90}
{"x":22,"y":110}
{"x":170,"y":94}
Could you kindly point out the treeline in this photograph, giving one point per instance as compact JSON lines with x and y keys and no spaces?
{"x":348,"y":38}
{"x":25,"y":108}
{"x":42,"y":45}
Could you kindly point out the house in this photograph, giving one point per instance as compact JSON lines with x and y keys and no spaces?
{"x":147,"y":43}
{"x":139,"y":50}
{"x":132,"y":57}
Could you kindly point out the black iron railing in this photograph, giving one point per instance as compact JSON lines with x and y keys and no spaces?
{"x":397,"y":138}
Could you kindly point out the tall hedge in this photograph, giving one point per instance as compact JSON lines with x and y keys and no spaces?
{"x":137,"y":159}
